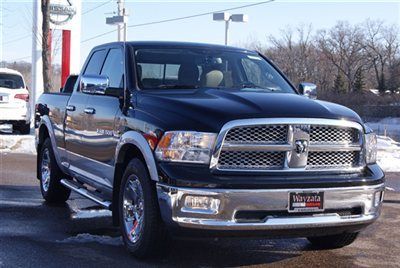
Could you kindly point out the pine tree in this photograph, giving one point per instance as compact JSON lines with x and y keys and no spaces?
{"x":339,"y":85}
{"x":359,"y":83}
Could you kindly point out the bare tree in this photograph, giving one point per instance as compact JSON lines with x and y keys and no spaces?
{"x":381,"y":47}
{"x":46,"y":50}
{"x":343,"y":46}
{"x":295,"y":53}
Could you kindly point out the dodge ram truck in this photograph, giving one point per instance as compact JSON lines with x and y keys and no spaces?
{"x":196,"y":139}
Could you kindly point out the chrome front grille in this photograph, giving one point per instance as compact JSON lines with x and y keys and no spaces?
{"x":276,"y":134}
{"x":251,"y":160}
{"x":289,"y":145}
{"x":333,"y":135}
{"x":318,"y":160}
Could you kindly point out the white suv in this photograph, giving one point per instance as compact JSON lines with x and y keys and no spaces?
{"x":14,"y":101}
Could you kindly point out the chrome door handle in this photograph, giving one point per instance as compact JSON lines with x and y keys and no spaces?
{"x":70,"y":108}
{"x":89,"y":110}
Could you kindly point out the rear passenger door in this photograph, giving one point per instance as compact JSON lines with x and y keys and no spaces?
{"x":100,"y":139}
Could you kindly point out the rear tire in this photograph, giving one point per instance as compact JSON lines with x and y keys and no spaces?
{"x":25,"y":129}
{"x":333,"y":241}
{"x":50,"y":176}
{"x":142,"y":229}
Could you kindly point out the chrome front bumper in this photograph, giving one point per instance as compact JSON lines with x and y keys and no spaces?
{"x":224,"y":217}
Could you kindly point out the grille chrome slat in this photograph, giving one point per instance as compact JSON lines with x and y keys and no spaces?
{"x":338,"y":148}
{"x":271,"y":145}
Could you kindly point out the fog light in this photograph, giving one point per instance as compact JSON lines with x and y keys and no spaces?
{"x":201,"y":204}
{"x":378,"y":198}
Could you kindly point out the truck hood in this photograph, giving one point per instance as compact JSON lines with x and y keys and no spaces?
{"x":210,"y":109}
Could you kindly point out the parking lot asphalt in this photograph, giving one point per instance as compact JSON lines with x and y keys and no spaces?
{"x":35,"y":234}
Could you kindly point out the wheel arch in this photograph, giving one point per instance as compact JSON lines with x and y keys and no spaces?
{"x":46,"y":131}
{"x":131,"y":145}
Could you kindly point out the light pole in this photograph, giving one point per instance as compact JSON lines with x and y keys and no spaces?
{"x":226,"y":17}
{"x":120,"y":20}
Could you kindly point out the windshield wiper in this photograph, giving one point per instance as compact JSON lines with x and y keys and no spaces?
{"x":248,"y":85}
{"x":252,"y":85}
{"x":178,"y":86}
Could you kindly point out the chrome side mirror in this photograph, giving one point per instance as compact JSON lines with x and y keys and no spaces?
{"x":308,"y":90}
{"x":94,"y":84}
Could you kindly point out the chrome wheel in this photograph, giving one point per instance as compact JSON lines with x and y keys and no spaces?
{"x":133,"y":208}
{"x":45,"y":169}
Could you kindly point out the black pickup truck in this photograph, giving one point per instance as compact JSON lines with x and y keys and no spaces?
{"x":196,"y":139}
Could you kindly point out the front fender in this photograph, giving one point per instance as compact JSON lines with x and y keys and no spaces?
{"x":136,"y":139}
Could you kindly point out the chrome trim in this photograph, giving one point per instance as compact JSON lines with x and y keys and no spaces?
{"x":84,"y":192}
{"x":45,"y":168}
{"x":336,"y":148}
{"x":291,"y":122}
{"x":172,"y":199}
{"x":257,"y":147}
{"x":94,"y":84}
{"x":133,"y":209}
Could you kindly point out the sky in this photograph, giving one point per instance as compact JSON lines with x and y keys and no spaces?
{"x":264,"y":20}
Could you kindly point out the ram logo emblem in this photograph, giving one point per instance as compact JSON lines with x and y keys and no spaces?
{"x":301,"y":146}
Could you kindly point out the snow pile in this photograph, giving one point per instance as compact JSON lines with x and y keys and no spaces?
{"x":89,"y":238}
{"x":91,"y":213}
{"x":17,"y":144}
{"x":388,"y":154}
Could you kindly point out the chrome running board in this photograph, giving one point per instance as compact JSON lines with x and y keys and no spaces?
{"x":80,"y":189}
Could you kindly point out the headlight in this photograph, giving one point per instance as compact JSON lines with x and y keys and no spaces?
{"x":186,"y":146}
{"x":370,"y":148}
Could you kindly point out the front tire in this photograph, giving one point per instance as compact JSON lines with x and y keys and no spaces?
{"x":50,"y":176}
{"x":333,"y":241}
{"x":141,"y":226}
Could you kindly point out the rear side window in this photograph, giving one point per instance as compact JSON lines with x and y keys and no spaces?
{"x":95,"y":63}
{"x":114,"y":69}
{"x":69,"y":84}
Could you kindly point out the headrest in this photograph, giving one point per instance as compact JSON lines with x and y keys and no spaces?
{"x":214,"y":78}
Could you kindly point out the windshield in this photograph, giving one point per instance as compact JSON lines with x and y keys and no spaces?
{"x":12,"y":81}
{"x":160,"y":68}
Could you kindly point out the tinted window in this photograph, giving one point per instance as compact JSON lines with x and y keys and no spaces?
{"x":95,"y":62}
{"x":114,"y":69}
{"x":260,"y":74}
{"x":69,"y":84}
{"x":12,"y":81}
{"x":152,"y":74}
{"x":207,"y":68}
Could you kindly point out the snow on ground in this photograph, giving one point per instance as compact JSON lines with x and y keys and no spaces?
{"x":388,"y":154}
{"x":17,"y":144}
{"x":91,"y":213}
